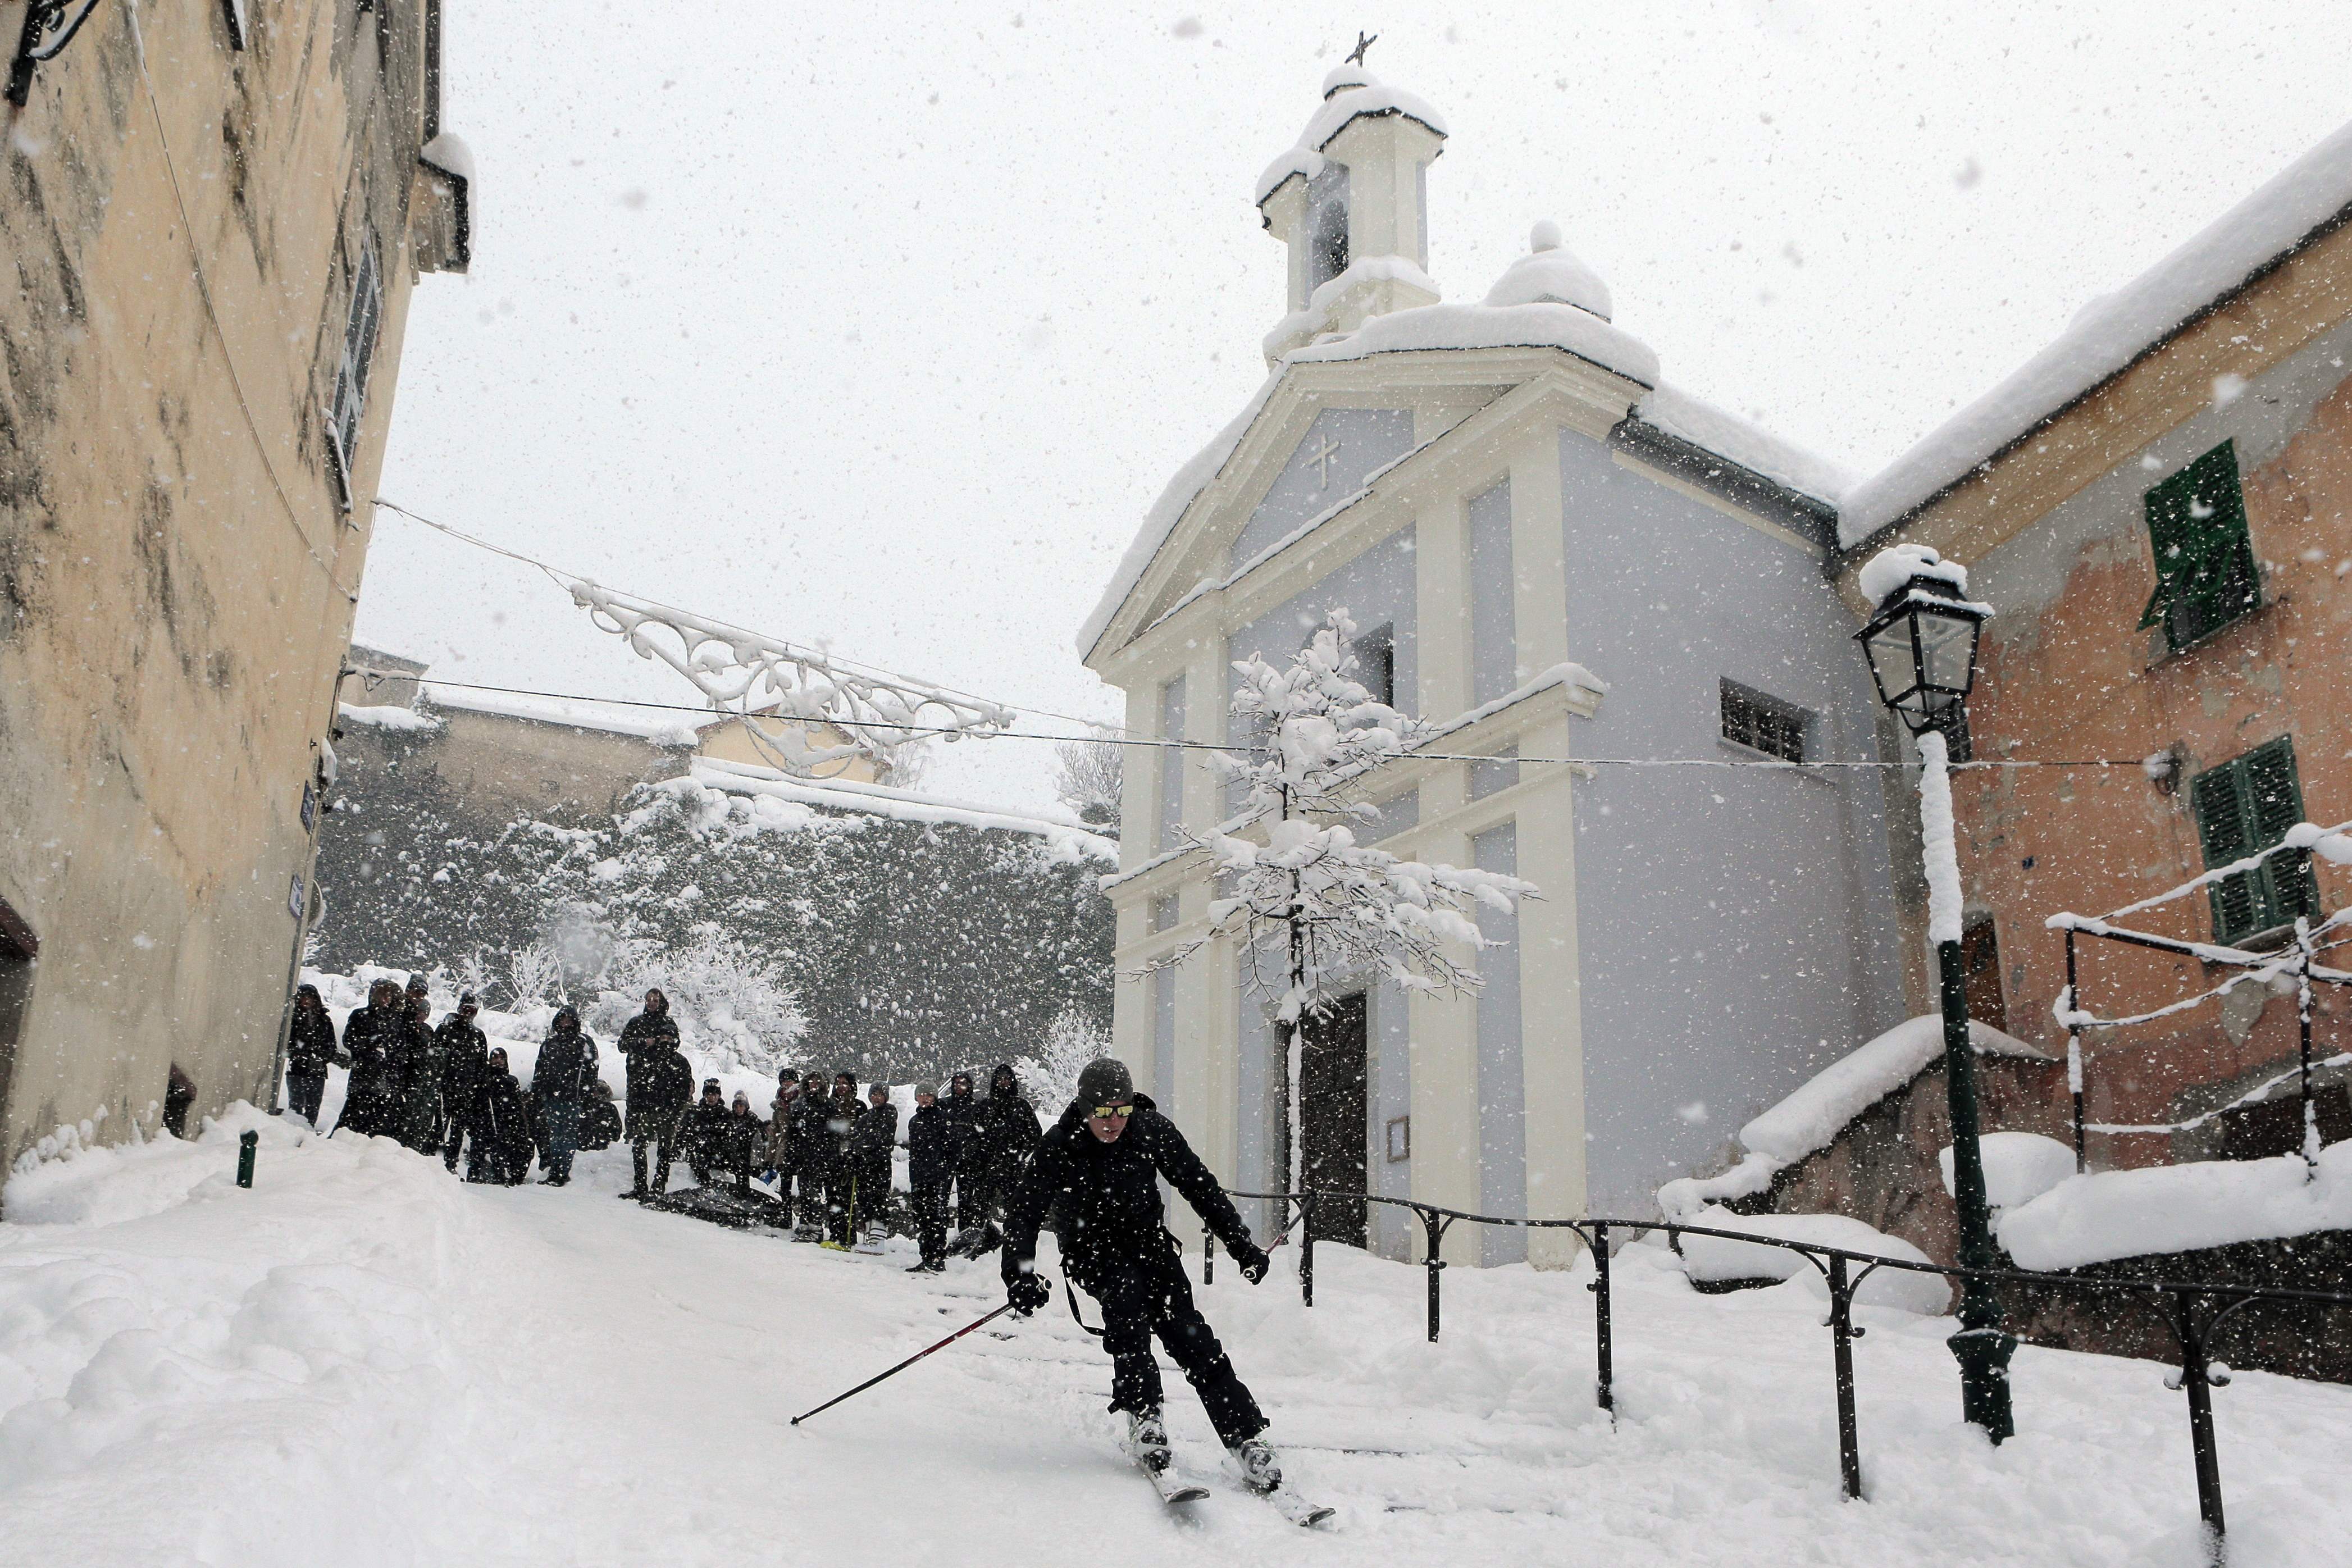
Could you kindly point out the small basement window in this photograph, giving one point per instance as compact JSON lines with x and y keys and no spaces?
{"x":2205,"y":572}
{"x":1763,"y":723}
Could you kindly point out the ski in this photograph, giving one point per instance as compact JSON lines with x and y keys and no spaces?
{"x":1172,"y":1487}
{"x":1297,"y":1509}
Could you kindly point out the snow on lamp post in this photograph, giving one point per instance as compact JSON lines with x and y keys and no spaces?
{"x":1922,"y":643}
{"x":1341,"y":910}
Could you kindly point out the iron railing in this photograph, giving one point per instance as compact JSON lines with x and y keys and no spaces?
{"x":2191,"y":1309}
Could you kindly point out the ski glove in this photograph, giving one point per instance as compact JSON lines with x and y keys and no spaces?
{"x":1027,"y":1292}
{"x":1252,"y":1260}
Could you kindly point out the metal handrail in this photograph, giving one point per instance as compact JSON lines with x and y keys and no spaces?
{"x":2177,"y":1302}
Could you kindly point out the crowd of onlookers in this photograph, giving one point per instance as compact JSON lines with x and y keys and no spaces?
{"x":446,"y":1088}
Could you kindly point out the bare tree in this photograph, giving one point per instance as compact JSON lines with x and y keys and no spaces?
{"x":1092,"y":775}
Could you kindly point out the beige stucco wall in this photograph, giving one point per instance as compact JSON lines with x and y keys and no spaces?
{"x":177,"y":576}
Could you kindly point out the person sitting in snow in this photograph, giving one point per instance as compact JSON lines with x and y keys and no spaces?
{"x":1103,"y":1163}
{"x":877,"y":1134}
{"x":746,"y":1137}
{"x":376,"y":1039}
{"x":309,"y":1048}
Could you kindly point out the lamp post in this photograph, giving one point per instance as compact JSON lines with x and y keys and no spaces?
{"x":1922,"y":643}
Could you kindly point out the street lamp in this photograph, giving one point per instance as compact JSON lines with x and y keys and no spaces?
{"x":1922,"y":643}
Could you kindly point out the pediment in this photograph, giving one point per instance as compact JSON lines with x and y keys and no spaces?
{"x":1323,"y":430}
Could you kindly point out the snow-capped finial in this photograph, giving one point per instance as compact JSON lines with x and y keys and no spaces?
{"x":1343,"y":78}
{"x":1549,"y":275}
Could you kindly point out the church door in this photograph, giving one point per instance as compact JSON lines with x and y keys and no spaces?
{"x":1334,"y":1113}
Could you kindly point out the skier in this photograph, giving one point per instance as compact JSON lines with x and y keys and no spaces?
{"x":658,"y":1091}
{"x":876,"y":1134}
{"x":559,"y":1082}
{"x":310,"y":1046}
{"x":929,"y":1162}
{"x":1008,"y":1140}
{"x":466,"y":1060}
{"x":1104,"y":1162}
{"x":377,"y":1038}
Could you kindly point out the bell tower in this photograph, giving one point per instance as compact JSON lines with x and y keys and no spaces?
{"x":1350,"y":202}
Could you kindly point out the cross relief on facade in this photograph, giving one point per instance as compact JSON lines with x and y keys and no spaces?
{"x":1322,"y":460}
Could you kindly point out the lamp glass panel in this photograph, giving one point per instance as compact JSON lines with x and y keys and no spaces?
{"x":1890,"y":659}
{"x":1948,"y":647}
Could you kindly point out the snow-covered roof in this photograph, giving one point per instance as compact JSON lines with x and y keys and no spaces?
{"x":2111,"y":333}
{"x":655,"y":724}
{"x":385,"y":716}
{"x":1350,"y":93}
{"x":901,"y":804}
{"x":1751,"y":446}
{"x":1809,"y":1120}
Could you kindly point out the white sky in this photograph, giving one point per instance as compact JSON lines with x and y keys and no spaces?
{"x":880,"y":325}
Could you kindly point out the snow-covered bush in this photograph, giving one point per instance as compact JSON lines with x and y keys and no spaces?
{"x":731,"y":1003}
{"x":1050,"y":1077}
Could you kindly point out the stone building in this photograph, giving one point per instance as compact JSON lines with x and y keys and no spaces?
{"x":2158,"y":508}
{"x":1552,"y":553}
{"x":214,"y":216}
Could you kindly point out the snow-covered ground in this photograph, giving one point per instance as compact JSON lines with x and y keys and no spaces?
{"x":361,"y":1360}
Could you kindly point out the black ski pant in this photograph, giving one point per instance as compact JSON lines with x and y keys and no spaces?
{"x":929,"y":1201}
{"x":303,"y":1092}
{"x":659,"y":1129}
{"x":970,"y":1199}
{"x":838,"y":1186}
{"x":1147,"y":1296}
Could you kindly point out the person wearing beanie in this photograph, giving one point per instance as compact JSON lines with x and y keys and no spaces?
{"x":465,"y":1068}
{"x":876,"y":1134}
{"x":1103,"y":1163}
{"x":930,"y":1161}
{"x":706,"y":1132}
{"x":1008,"y":1140}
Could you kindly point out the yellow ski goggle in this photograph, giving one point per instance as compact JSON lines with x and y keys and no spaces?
{"x":1114,"y":1110}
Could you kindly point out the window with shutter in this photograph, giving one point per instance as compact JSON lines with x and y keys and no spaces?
{"x":351,"y":370}
{"x":1763,"y":723}
{"x":2205,"y":577}
{"x":2243,"y":807}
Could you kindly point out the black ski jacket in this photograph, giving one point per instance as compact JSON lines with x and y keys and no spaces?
{"x":465,"y":1064}
{"x":648,"y":1042}
{"x":806,"y":1142}
{"x":931,"y":1152}
{"x":961,"y":1117}
{"x":311,"y":1045}
{"x":565,"y":1065}
{"x":1109,"y":1194}
{"x":1008,"y":1129}
{"x":876,"y":1133}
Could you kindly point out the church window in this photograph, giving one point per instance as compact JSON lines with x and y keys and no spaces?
{"x":1327,"y":226}
{"x":2205,"y":572}
{"x":1763,"y":723}
{"x":1375,"y":653}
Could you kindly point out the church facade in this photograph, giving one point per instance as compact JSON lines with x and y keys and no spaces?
{"x":1568,"y":566}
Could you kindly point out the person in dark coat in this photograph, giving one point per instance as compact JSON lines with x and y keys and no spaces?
{"x":877,"y":1134}
{"x":309,"y":1048}
{"x":376,"y":1039}
{"x":657,"y":1092}
{"x":746,"y":1135}
{"x":464,"y":1064}
{"x":559,"y":1084}
{"x":705,"y":1132}
{"x":501,"y":1151}
{"x":1103,"y":1163}
{"x":930,"y":1161}
{"x":1008,"y":1140}
{"x":424,"y":1078}
{"x":808,"y":1151}
{"x":841,"y":1113}
{"x":962,"y":1111}
{"x":600,"y":1119}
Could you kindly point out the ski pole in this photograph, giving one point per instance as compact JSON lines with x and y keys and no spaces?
{"x":976,"y":1323}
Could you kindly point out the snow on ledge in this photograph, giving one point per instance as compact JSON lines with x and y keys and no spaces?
{"x":664,"y":728}
{"x":2165,"y":1209}
{"x":1808,"y":1120}
{"x":1715,"y":1260}
{"x":1067,"y":838}
{"x":1344,"y":101}
{"x":385,"y":716}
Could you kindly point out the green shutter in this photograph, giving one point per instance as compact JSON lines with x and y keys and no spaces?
{"x":2205,"y":577}
{"x":2242,"y":807}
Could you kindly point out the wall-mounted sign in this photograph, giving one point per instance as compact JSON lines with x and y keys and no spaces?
{"x":294,"y":897}
{"x":309,"y":807}
{"x":1399,"y":1138}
